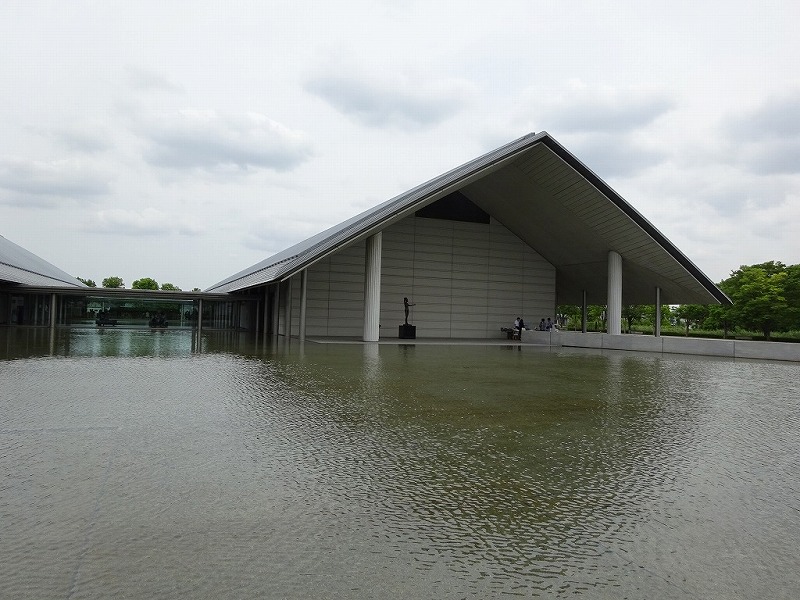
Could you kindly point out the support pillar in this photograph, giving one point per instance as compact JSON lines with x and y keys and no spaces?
{"x":372,"y":288}
{"x":286,"y":303}
{"x":275,"y":295}
{"x":199,"y":324}
{"x":614,"y":305}
{"x":257,"y":317}
{"x":265,"y":315}
{"x":657,"y":324}
{"x":303,"y":299}
{"x":584,"y":314}
{"x":53,"y":308}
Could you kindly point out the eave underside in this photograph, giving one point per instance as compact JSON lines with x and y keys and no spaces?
{"x":573,"y":225}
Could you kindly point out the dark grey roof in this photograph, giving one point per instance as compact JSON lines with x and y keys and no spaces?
{"x":19,"y":266}
{"x":550,"y":200}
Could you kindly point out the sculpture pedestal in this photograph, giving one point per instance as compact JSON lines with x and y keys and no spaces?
{"x":407,"y":332}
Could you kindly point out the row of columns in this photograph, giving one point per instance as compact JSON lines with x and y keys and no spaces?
{"x":372,"y":297}
{"x":282,"y":298}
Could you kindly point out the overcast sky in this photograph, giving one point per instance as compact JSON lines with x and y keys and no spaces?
{"x":186,"y":141}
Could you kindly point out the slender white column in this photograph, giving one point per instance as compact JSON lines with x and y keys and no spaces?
{"x":303,"y":297}
{"x":657,"y":324}
{"x":584,"y":314}
{"x":372,"y":288}
{"x":614,"y":307}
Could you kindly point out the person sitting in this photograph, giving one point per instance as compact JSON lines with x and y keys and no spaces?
{"x":549,"y":325}
{"x":542,"y":325}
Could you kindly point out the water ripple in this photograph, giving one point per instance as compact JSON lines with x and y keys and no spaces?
{"x":340,"y":472}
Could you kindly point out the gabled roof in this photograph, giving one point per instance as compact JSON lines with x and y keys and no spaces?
{"x":550,"y":200}
{"x":21,"y":267}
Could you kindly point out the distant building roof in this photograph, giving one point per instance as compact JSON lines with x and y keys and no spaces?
{"x":21,"y":267}
{"x":550,"y":200}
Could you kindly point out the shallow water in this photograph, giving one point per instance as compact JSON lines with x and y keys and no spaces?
{"x":132,"y":466}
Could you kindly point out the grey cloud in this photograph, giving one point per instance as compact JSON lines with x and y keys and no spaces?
{"x":773,"y":158}
{"x":775,"y":118}
{"x":79,"y":141}
{"x":622,"y":113}
{"x":204,"y":140}
{"x":378,"y":104}
{"x":615,"y":156}
{"x":767,"y":139}
{"x":39,"y":183}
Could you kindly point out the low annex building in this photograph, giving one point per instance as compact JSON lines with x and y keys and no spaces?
{"x":26,"y":285}
{"x":512,"y":233}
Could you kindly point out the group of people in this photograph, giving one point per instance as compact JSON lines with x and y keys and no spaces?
{"x":519,"y":325}
{"x":547,"y":326}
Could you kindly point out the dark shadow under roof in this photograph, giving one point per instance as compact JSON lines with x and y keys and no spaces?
{"x":551,"y":201}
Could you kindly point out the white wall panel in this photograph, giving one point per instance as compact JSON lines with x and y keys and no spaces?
{"x":466,"y":279}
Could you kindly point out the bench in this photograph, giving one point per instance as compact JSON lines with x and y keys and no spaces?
{"x":511,"y":333}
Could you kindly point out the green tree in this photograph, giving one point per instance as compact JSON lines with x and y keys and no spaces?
{"x":596,"y":314}
{"x":792,"y":294}
{"x":87,"y":282}
{"x":632,"y":313}
{"x":572,"y":314}
{"x":113,"y":282}
{"x":145,"y":283}
{"x":692,"y":314}
{"x":649,"y":314}
{"x":720,"y":317}
{"x":758,"y":295}
{"x":170,"y":287}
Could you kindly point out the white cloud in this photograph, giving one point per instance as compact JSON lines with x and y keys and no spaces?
{"x":146,"y":222}
{"x":146,"y":80}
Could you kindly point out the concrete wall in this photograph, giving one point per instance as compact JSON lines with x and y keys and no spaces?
{"x":466,"y":280}
{"x":679,"y":345}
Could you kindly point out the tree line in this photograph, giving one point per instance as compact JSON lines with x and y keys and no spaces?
{"x":766,"y":298}
{"x":145,"y":283}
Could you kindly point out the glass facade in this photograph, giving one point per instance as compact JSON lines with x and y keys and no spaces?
{"x":18,"y":308}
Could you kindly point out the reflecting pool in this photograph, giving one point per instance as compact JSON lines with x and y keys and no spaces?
{"x":134,"y":466}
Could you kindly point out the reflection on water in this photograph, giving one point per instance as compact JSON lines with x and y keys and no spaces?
{"x":137,"y":467}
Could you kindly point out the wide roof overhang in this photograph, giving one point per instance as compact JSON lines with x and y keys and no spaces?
{"x":550,"y":200}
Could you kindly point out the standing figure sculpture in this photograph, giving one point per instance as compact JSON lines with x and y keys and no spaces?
{"x":406,"y":304}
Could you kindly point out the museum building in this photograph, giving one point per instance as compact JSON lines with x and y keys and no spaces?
{"x":512,"y":233}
